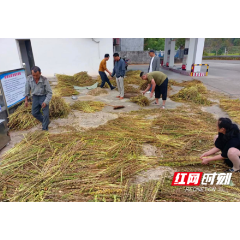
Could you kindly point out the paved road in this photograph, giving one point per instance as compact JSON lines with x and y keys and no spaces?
{"x":224,"y":76}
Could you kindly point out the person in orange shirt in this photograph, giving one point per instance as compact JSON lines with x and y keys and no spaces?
{"x":103,"y":75}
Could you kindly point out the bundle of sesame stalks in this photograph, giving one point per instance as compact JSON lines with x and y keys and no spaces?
{"x":65,"y":85}
{"x":58,"y":108}
{"x":133,"y":77}
{"x":193,"y":94}
{"x":87,"y":106}
{"x":112,"y":81}
{"x":22,"y":118}
{"x":135,"y":73}
{"x":98,"y":164}
{"x":97,"y":91}
{"x":232,"y":107}
{"x":82,"y":79}
{"x":140,"y":100}
{"x":145,"y":192}
{"x":184,"y":83}
{"x":143,"y":85}
{"x":130,"y":89}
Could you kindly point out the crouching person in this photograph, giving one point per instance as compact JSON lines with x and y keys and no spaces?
{"x":41,"y":95}
{"x":159,"y":82}
{"x":228,"y":142}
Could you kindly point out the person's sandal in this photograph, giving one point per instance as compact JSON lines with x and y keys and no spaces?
{"x":163,"y":107}
{"x":155,"y":103}
{"x":232,"y":170}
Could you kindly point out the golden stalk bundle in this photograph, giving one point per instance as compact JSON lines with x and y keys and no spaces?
{"x":130,"y":89}
{"x":22,"y":118}
{"x":88,"y":106}
{"x":97,"y":91}
{"x":82,"y":79}
{"x":232,"y":107}
{"x":192,"y":94}
{"x":140,"y":100}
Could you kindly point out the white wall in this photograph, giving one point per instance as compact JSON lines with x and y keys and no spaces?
{"x":59,"y":55}
{"x":9,"y":55}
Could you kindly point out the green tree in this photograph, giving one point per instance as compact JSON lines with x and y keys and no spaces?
{"x":180,"y":42}
{"x":154,"y":43}
{"x":236,"y":42}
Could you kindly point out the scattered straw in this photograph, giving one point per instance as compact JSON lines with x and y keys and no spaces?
{"x":130,"y":89}
{"x":98,"y":164}
{"x":135,"y":73}
{"x":97,"y":91}
{"x":88,"y":106}
{"x":232,"y":107}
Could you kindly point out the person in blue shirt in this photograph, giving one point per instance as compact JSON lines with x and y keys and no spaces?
{"x":119,"y":70}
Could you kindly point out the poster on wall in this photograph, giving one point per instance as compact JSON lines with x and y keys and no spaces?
{"x":13,"y":85}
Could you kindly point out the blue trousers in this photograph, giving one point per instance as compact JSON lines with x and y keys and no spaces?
{"x":105,"y":79}
{"x":43,"y":117}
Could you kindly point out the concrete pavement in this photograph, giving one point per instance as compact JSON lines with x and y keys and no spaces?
{"x":224,"y":76}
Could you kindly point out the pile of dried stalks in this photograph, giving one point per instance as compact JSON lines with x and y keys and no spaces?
{"x":112,"y":81}
{"x":88,"y":106}
{"x":145,"y":192}
{"x":58,"y":108}
{"x":140,"y":100}
{"x":143,"y":85}
{"x":82,"y":79}
{"x":22,"y":118}
{"x":65,"y":85}
{"x":134,"y":73}
{"x":97,"y":165}
{"x":193,"y":94}
{"x":97,"y":91}
{"x":232,"y":107}
{"x":184,"y":83}
{"x":130,"y":89}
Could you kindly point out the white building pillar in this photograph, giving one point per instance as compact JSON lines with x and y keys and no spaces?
{"x":191,"y":51}
{"x":166,"y":51}
{"x":198,"y":53}
{"x":185,"y":56}
{"x":172,"y":53}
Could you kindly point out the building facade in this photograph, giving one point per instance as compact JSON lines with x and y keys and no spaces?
{"x":55,"y":55}
{"x":128,"y":44}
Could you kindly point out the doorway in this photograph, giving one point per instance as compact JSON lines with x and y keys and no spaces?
{"x":26,"y":54}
